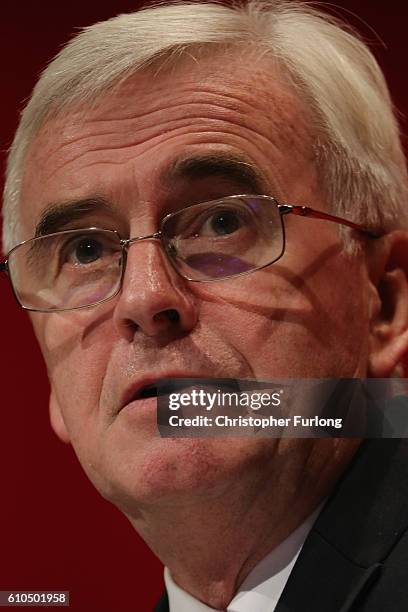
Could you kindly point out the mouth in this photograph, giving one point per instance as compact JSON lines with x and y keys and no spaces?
{"x":142,"y":391}
{"x":146,"y":392}
{"x":150,"y":388}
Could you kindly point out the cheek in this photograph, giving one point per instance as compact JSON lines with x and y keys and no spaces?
{"x":77,"y":349}
{"x":286,"y":324}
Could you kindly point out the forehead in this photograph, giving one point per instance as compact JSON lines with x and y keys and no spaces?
{"x":244,"y":109}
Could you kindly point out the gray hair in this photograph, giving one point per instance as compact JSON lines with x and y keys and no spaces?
{"x":359,"y":157}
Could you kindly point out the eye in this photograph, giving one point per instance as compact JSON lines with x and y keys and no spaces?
{"x":225,"y":222}
{"x":86,"y":250}
{"x":218,"y":222}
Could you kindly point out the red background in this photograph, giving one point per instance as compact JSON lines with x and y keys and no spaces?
{"x":56,"y":532}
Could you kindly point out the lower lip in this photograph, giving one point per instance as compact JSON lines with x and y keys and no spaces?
{"x":143,"y":404}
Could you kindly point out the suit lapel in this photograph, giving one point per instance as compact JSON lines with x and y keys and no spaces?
{"x":163,"y":604}
{"x":324,"y":580}
{"x":359,"y":525}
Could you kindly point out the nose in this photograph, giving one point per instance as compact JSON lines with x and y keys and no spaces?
{"x":154,"y":299}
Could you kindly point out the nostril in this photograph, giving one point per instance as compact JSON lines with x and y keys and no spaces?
{"x":129,"y":323}
{"x":173,"y":315}
{"x":169,"y":315}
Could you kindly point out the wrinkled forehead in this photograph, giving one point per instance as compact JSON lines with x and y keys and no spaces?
{"x":215,"y":100}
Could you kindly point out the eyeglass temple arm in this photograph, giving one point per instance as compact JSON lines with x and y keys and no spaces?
{"x":306,"y":211}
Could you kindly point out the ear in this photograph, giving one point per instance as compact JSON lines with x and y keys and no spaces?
{"x":57,"y":420}
{"x":389,"y":311}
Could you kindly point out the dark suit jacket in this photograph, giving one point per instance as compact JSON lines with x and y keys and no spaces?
{"x":355,"y":558}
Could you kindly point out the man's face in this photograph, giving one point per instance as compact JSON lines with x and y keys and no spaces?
{"x":305,"y":316}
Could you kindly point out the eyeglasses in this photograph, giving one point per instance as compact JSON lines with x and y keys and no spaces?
{"x":206,"y":242}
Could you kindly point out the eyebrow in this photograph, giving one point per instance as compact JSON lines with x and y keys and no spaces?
{"x":232,"y":168}
{"x":235,"y":169}
{"x":56,"y":216}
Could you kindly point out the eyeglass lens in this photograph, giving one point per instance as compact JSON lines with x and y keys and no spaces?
{"x":224,"y":238}
{"x":67,"y":270}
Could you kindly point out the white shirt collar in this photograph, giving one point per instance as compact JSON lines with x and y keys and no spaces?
{"x":262,"y":588}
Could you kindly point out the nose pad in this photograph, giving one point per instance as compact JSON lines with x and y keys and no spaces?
{"x":154,"y":298}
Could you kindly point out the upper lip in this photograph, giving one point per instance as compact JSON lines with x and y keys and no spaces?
{"x":132,"y":392}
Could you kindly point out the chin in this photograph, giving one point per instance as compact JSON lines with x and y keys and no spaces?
{"x":176,"y":471}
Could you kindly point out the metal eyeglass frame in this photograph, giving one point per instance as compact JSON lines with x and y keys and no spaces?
{"x":284,"y":209}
